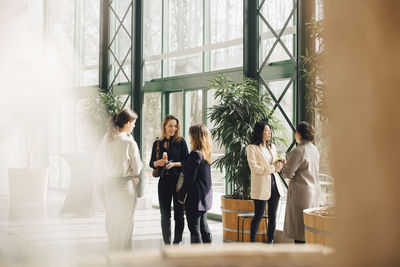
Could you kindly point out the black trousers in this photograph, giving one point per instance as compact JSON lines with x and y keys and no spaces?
{"x":198,"y":226}
{"x":259,"y":209}
{"x":167,"y":193}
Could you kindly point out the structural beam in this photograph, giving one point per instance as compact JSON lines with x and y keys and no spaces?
{"x":306,"y":11}
{"x":104,"y":41}
{"x":250,"y":38}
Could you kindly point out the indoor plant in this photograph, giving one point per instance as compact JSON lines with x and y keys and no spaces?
{"x":240,"y":106}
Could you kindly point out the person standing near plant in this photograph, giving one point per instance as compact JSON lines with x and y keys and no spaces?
{"x":302,"y":169}
{"x":175,"y":147}
{"x":196,"y":191}
{"x":265,"y":183}
{"x":118,"y":166}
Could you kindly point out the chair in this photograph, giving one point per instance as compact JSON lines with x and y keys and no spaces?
{"x":327,"y":184}
{"x":246,"y":215}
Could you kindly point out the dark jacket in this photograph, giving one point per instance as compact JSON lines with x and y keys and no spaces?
{"x":177,"y":152}
{"x":197,"y":183}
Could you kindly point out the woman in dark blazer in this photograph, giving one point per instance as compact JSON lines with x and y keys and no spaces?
{"x":196,"y":191}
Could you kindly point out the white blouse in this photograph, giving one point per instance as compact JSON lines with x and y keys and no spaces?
{"x":118,"y":158}
{"x":267,"y":154}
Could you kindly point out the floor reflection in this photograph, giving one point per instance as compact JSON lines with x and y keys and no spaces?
{"x":34,"y":234}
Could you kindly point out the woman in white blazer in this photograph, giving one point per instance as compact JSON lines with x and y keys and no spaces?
{"x":265,"y":183}
{"x":118,"y":166}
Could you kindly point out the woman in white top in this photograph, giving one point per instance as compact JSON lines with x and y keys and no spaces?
{"x":265,"y":183}
{"x":118,"y":166}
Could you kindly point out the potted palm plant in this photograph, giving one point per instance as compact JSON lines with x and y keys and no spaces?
{"x":240,"y":106}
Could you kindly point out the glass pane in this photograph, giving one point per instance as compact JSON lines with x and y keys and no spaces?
{"x":152,"y":126}
{"x":176,"y":106}
{"x":152,"y":25}
{"x":185,"y":24}
{"x":126,"y":98}
{"x":152,"y":70}
{"x":90,"y":77}
{"x":218,"y":177}
{"x":276,"y":12}
{"x":91,"y":24}
{"x":196,"y":109}
{"x":226,"y":20}
{"x":278,"y":54}
{"x":186,"y":65}
{"x":62,"y":36}
{"x":152,"y":38}
{"x":277,"y":88}
{"x":121,"y":7}
{"x":227,"y":58}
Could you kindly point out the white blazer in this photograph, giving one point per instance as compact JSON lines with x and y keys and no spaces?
{"x":261,"y":171}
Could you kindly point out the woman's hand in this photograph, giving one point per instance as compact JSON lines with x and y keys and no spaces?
{"x":181,"y":202}
{"x":160,"y":163}
{"x":136,"y":180}
{"x":172,"y":164}
{"x":278,"y":165}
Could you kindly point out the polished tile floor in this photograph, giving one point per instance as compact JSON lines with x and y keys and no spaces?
{"x":34,"y":234}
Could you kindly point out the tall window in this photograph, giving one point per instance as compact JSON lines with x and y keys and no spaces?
{"x":183,"y":39}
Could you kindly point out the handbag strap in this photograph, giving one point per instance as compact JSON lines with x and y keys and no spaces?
{"x":158,"y":149}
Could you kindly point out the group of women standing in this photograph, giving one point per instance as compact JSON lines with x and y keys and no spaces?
{"x":195,"y":196}
{"x":301,"y":168}
{"x":118,"y":166}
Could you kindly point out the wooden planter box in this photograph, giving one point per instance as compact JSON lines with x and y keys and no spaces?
{"x":318,"y":228}
{"x":230,"y":208}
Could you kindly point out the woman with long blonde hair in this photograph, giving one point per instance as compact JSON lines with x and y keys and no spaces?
{"x":174,"y":146}
{"x":196,"y":191}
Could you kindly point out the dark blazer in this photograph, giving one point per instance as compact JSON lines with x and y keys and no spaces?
{"x":177,"y":152}
{"x":197,"y":183}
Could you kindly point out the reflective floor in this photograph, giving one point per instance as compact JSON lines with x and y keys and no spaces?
{"x":34,"y":234}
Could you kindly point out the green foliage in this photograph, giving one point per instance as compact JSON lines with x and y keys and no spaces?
{"x":312,"y":67}
{"x":240,"y":106}
{"x":111,"y":102}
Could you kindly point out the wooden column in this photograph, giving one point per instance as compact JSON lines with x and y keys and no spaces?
{"x":363,"y":55}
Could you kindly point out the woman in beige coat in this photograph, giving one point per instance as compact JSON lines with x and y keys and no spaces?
{"x":304,"y":190}
{"x":265,"y":183}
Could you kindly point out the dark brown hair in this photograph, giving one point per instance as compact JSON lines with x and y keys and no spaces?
{"x":119,"y":120}
{"x":306,"y":131}
{"x":258,"y":133}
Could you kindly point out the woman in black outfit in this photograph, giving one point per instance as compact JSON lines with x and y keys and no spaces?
{"x":196,"y":191}
{"x":175,"y":145}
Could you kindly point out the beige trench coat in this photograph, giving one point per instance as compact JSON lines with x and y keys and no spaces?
{"x":302,"y":168}
{"x":261,"y":171}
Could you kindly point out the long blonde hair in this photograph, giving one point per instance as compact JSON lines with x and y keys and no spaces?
{"x":177,"y":137}
{"x":201,"y":139}
{"x":119,"y":120}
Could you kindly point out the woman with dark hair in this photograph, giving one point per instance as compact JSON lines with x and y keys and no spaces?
{"x":265,"y":184}
{"x":176,"y":150}
{"x":302,"y":169}
{"x":118,"y":166}
{"x":196,"y":191}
